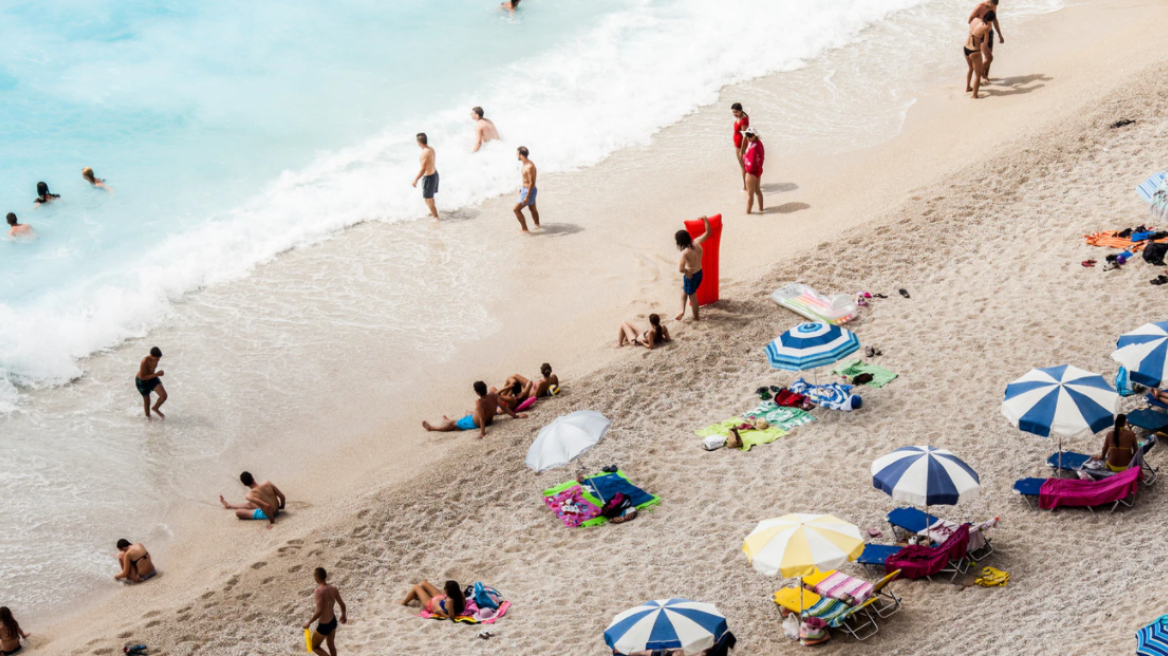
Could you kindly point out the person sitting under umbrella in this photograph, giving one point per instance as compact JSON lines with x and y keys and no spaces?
{"x":1119,"y":446}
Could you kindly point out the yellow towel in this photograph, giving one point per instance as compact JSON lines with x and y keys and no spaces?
{"x":991,"y":577}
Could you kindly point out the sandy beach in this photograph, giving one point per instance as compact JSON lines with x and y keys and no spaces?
{"x":977,"y":208}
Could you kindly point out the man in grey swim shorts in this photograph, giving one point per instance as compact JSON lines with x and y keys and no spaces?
{"x":428,"y":173}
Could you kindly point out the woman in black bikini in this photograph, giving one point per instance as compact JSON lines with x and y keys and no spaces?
{"x":135,"y":562}
{"x":975,"y":50}
{"x":657,"y":334}
{"x":10,"y":633}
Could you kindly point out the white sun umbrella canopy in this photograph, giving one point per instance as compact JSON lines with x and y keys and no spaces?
{"x":1064,"y":401}
{"x":925,"y":476}
{"x":691,"y":626}
{"x":1144,"y":353}
{"x":566,"y":438}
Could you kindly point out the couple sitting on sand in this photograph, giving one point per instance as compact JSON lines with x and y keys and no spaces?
{"x":518,"y":392}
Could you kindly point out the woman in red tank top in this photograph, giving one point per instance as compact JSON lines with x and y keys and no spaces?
{"x":741,"y":124}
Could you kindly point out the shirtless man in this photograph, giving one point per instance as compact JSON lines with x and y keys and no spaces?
{"x":981,"y":12}
{"x":480,"y":417}
{"x":327,"y":597}
{"x":149,"y":381}
{"x":528,"y":192}
{"x":484,"y":129}
{"x":18,"y":230}
{"x":690,"y":267}
{"x":428,"y":174}
{"x":263,"y":500}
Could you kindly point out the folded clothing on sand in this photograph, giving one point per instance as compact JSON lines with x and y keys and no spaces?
{"x":834,"y":396}
{"x":779,"y":416}
{"x":653,"y":500}
{"x":880,"y":375}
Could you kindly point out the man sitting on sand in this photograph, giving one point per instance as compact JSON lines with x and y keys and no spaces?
{"x":17,"y":230}
{"x":149,"y":381}
{"x":690,"y":267}
{"x":484,"y":129}
{"x":480,"y":417}
{"x":327,"y":598}
{"x":135,"y":562}
{"x":263,"y":500}
{"x":548,"y":384}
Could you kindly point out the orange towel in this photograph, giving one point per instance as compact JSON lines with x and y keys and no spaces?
{"x":1108,"y":239}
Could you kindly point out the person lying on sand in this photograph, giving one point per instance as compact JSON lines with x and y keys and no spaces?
{"x":448,"y":604}
{"x":480,"y":416}
{"x":513,"y":395}
{"x":19,"y":231}
{"x":263,"y":500}
{"x":327,"y":598}
{"x":547,"y":384}
{"x":10,"y":632}
{"x":1119,"y":445}
{"x":1159,"y":394}
{"x":135,"y":562}
{"x":655,"y":335}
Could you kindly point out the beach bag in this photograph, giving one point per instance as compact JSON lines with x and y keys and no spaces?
{"x":1123,"y":383}
{"x":813,"y":631}
{"x":615,"y":506}
{"x":486,"y":596}
{"x":714,"y":442}
{"x":1154,"y":253}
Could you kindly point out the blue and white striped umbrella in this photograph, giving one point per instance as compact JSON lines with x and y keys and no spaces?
{"x":1063,"y":400}
{"x":1144,"y":353}
{"x":925,"y":476}
{"x":1147,"y":189}
{"x":692,"y":626}
{"x":811,"y":345}
{"x":1152,"y":640}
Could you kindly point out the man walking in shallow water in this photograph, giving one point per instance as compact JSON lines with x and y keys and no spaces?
{"x":428,"y":173}
{"x":528,"y":192}
{"x":148,"y":381}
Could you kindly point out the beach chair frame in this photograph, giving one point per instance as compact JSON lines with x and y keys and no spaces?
{"x":859,"y":622}
{"x":887,"y":603}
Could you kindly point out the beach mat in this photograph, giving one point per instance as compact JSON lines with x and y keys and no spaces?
{"x":880,"y":375}
{"x":806,"y":302}
{"x":1110,"y":239}
{"x":654,"y":500}
{"x":784,"y":417}
{"x":469,"y":614}
{"x":750,"y":438}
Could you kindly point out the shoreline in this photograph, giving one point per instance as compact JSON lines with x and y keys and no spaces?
{"x":926,"y":117}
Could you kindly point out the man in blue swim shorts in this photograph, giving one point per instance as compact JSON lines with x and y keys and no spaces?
{"x":486,"y":407}
{"x":690,"y":267}
{"x":529,"y":191}
{"x":264,"y":500}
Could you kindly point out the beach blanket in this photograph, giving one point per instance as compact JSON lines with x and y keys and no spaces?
{"x":750,"y":438}
{"x":880,"y":375}
{"x":654,"y":500}
{"x":834,"y":396}
{"x":472,"y":614}
{"x":916,"y":561}
{"x":574,"y":496}
{"x":779,"y":416}
{"x":839,"y":585}
{"x":1072,"y":492}
{"x":1110,"y":239}
{"x":607,"y":486}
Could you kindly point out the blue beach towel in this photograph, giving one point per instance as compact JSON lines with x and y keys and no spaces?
{"x":608,"y":485}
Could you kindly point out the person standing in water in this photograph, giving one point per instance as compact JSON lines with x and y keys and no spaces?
{"x":988,"y":12}
{"x":43,"y":195}
{"x":135,"y":562}
{"x":742,"y":122}
{"x":10,"y":633}
{"x":327,"y":598}
{"x":87,"y":173}
{"x":18,"y":230}
{"x":484,"y":129}
{"x":263,"y":500}
{"x":528,"y":192}
{"x":149,"y":381}
{"x":690,"y":268}
{"x":753,"y":155}
{"x":428,"y":173}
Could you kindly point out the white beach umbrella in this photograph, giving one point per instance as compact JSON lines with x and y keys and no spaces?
{"x":566,"y":438}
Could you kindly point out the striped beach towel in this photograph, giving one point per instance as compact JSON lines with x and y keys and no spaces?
{"x":832,"y":611}
{"x":781,"y":417}
{"x":838,"y":584}
{"x":1108,"y":239}
{"x":1147,"y":188}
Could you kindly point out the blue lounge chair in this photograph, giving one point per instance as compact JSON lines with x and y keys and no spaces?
{"x":1028,"y":489}
{"x":1148,"y":419}
{"x":874,"y":555}
{"x":914,"y":521}
{"x":1156,"y":403}
{"x":1073,"y":462}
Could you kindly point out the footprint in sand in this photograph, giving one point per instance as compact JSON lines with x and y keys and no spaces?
{"x":363,"y":514}
{"x":125,"y":634}
{"x":295,"y":568}
{"x":259,"y":565}
{"x":153,"y":613}
{"x":268,"y":580}
{"x":207,"y":595}
{"x":153,"y":623}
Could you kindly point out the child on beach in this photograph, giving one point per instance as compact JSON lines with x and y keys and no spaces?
{"x":690,"y":267}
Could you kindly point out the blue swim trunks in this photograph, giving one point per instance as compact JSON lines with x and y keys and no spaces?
{"x":527,"y":196}
{"x":467,"y":423}
{"x":258,"y":514}
{"x":690,"y":285}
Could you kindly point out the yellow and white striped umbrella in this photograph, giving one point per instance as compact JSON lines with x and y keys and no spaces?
{"x":797,"y":545}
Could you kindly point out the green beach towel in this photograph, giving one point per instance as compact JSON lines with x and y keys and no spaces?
{"x":750,"y":438}
{"x":588,"y":496}
{"x":880,"y":375}
{"x":780,"y":416}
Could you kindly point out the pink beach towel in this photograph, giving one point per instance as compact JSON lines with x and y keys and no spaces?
{"x":575,"y":496}
{"x":839,"y":585}
{"x":526,"y":404}
{"x":1072,"y":492}
{"x":472,"y":614}
{"x":916,"y":561}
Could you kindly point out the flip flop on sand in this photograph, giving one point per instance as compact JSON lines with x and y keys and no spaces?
{"x":1089,"y":263}
{"x":1160,"y":280}
{"x":879,"y":296}
{"x":869,"y":351}
{"x":904,"y":293}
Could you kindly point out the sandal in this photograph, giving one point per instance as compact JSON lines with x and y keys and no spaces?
{"x":1089,"y":263}
{"x":904,"y":293}
{"x":1160,"y":280}
{"x":869,"y":352}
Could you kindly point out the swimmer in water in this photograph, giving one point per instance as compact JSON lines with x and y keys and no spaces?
{"x":428,"y":173}
{"x":19,"y":231}
{"x":43,"y":195}
{"x":511,"y":5}
{"x":87,"y":173}
{"x":484,"y":129}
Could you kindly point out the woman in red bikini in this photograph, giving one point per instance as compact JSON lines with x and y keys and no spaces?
{"x":753,"y":155}
{"x":742,"y":122}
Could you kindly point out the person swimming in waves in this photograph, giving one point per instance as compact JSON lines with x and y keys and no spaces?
{"x":44,"y":197}
{"x":510,"y":5}
{"x":263,"y":500}
{"x":428,"y":173}
{"x":481,"y":416}
{"x":149,"y":381}
{"x":528,"y":192}
{"x":484,"y":128}
{"x":19,"y":231}
{"x":10,"y":633}
{"x":327,"y":598}
{"x":135,"y":562}
{"x":93,"y":180}
{"x":690,"y":267}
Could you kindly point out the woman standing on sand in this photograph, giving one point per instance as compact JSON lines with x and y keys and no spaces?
{"x":741,"y":124}
{"x":10,"y":633}
{"x":976,"y":51}
{"x":753,"y":155}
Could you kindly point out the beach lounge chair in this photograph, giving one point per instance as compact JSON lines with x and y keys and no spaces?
{"x":856,"y":621}
{"x":1149,"y":420}
{"x":912,"y":521}
{"x":1153,"y":402}
{"x":874,"y":555}
{"x":1070,"y":461}
{"x":836,"y":585}
{"x":950,"y":557}
{"x":1051,"y":493}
